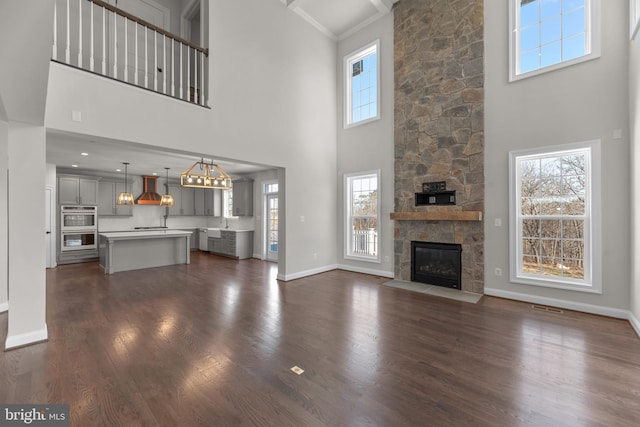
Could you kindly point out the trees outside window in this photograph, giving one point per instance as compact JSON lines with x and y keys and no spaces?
{"x":362,"y":216}
{"x":555,"y":217}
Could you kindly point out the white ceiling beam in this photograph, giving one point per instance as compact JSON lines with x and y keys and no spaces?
{"x":383,"y":6}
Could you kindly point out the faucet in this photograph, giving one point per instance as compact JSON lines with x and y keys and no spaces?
{"x":226,"y":222}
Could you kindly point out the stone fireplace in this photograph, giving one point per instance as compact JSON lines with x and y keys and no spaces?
{"x":439,"y":130}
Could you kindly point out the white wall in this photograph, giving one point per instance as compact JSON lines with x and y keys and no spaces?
{"x":26,"y":235}
{"x":369,"y":146}
{"x":634,"y":114}
{"x":583,"y":102}
{"x":4,"y":240}
{"x":273,"y":101}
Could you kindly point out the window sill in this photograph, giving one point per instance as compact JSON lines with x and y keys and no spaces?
{"x":555,"y":284}
{"x":516,"y":77}
{"x":362,"y":122}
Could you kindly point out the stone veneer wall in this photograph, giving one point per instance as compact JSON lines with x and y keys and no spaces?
{"x":439,"y":125}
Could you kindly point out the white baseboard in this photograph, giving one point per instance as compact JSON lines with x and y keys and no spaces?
{"x":370,"y":271}
{"x":553,"y":302}
{"x":4,"y":307}
{"x":301,"y":274}
{"x":635,"y":324}
{"x":257,"y":256}
{"x":25,"y":339}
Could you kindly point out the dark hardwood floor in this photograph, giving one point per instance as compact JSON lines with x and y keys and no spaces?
{"x":212,"y":343}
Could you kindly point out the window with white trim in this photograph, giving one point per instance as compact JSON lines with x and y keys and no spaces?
{"x":362,"y":85}
{"x":362,"y":225}
{"x":227,"y":203}
{"x":555,"y":217}
{"x":551,"y":34}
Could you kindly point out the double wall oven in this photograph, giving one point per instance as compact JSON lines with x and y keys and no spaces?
{"x":78,"y":228}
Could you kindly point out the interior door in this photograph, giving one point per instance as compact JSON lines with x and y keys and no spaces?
{"x":153,"y":13}
{"x":272,"y":227}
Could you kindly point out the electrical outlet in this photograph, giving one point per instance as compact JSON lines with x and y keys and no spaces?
{"x":297,"y":370}
{"x":315,"y":256}
{"x":301,"y":218}
{"x":497,"y":222}
{"x":386,"y":258}
{"x":497,"y":271}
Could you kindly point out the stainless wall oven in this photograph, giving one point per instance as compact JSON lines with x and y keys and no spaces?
{"x":78,"y":218}
{"x":78,"y":228}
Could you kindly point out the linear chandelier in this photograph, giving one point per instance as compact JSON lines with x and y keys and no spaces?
{"x":206,"y":175}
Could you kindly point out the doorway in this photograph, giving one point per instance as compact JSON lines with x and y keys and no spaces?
{"x":271,"y":219}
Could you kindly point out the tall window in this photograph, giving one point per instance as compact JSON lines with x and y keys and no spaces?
{"x":227,"y":203}
{"x":555,"y":217}
{"x":362,"y":216}
{"x":550,"y":34}
{"x":361,"y":85}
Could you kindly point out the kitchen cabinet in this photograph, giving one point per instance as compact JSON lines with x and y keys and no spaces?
{"x":208,"y":202}
{"x":74,"y":190}
{"x":243,"y":197}
{"x":184,"y":199}
{"x":108,"y":192}
{"x":233,"y":243}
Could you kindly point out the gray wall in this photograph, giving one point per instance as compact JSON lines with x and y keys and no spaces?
{"x":368,"y":146}
{"x":583,"y":102}
{"x":634,"y":114}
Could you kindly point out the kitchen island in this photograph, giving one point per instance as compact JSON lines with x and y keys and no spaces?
{"x":133,"y":250}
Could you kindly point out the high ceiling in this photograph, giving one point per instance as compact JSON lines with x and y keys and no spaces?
{"x":337,"y":19}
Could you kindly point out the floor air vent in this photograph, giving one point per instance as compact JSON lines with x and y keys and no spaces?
{"x":547,"y":309}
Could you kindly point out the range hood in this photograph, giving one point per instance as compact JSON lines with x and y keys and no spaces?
{"x":149,"y":194}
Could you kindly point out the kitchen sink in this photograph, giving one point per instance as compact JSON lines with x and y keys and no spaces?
{"x":213,"y":232}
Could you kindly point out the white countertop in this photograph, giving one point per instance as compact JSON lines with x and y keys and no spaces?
{"x":143,"y":234}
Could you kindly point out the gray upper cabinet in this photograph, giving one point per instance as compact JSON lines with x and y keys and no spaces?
{"x":208,"y":202}
{"x":107,"y":194}
{"x":184,"y":198}
{"x":77,"y":191}
{"x":243,"y":197}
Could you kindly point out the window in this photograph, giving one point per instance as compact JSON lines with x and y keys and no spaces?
{"x":361,"y":85}
{"x":362,"y":216}
{"x":227,"y":203}
{"x":551,"y":34}
{"x":555,"y":217}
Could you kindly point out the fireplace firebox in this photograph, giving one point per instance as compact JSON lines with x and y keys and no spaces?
{"x":436,"y":264}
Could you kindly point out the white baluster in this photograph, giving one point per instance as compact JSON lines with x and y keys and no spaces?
{"x":195,"y":76}
{"x":126,"y":50}
{"x":104,"y":42}
{"x":202,"y":78}
{"x":54,"y":48}
{"x":115,"y":45}
{"x":146,"y":60}
{"x":188,"y":73}
{"x":173,"y":68}
{"x":79,"y":33}
{"x":164,"y":64}
{"x":181,"y":93}
{"x":135,"y":72}
{"x":91,"y":61}
{"x":155,"y":60}
{"x":67,"y":52}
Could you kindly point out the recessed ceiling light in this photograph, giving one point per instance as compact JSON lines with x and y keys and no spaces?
{"x":84,"y":154}
{"x":118,"y":170}
{"x":155,"y":173}
{"x":74,"y":166}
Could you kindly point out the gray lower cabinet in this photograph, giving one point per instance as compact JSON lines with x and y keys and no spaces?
{"x":107,"y":194}
{"x":233,"y":243}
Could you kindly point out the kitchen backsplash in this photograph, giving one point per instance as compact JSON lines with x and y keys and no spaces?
{"x":148,"y":216}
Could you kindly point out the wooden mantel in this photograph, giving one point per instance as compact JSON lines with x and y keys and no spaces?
{"x":437,"y":216}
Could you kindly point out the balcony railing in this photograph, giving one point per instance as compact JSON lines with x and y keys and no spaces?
{"x":365,"y":242}
{"x":100,"y":38}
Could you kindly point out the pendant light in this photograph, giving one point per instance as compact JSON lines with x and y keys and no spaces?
{"x":212,"y":176}
{"x":167,"y":199}
{"x":125,"y":197}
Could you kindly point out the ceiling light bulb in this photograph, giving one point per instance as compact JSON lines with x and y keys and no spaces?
{"x":199,"y":180}
{"x":189,"y":180}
